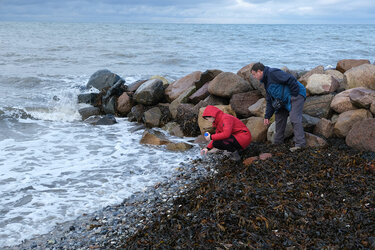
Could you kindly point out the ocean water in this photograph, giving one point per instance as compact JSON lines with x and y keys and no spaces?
{"x":54,"y":167}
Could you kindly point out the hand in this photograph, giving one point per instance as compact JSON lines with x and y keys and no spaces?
{"x":208,"y":137}
{"x":204,"y":151}
{"x":266,"y":122}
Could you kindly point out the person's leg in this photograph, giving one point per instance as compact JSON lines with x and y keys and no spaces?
{"x":296,"y":120}
{"x":229,"y":144}
{"x":281,"y":117}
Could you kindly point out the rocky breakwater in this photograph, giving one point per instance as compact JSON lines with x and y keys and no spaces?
{"x":340,"y":103}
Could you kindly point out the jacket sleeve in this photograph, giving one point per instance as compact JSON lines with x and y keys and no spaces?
{"x":287,"y":79}
{"x":226,"y":130}
{"x":269,"y":109}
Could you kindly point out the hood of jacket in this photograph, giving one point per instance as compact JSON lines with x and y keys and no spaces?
{"x":214,"y":112}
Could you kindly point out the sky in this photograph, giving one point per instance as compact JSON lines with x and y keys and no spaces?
{"x":191,"y":11}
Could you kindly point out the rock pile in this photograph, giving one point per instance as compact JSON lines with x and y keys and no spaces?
{"x":340,"y":102}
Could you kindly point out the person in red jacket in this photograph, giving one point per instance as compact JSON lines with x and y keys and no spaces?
{"x":231,"y":134}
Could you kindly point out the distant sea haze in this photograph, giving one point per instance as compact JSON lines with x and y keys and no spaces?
{"x":54,"y":167}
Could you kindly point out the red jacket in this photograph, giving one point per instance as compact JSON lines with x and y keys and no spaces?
{"x":227,"y":125}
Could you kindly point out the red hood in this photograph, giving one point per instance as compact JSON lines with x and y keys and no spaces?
{"x":214,"y":112}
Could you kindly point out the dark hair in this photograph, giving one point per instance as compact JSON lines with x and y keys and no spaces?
{"x":257,"y":66}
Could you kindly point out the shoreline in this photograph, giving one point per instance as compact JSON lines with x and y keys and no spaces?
{"x":135,"y":222}
{"x":108,"y":226}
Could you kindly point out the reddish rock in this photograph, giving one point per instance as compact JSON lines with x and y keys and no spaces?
{"x":362,"y":135}
{"x":265,"y":156}
{"x":249,"y":161}
{"x":346,"y":64}
{"x":178,"y":87}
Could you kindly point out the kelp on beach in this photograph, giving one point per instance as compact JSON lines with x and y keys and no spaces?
{"x":313,"y":198}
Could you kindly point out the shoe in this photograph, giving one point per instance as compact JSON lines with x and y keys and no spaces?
{"x":293,"y":149}
{"x":235,"y":156}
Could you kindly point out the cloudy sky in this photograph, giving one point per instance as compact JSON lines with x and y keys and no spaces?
{"x":191,"y":11}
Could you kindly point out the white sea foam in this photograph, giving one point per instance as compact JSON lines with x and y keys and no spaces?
{"x":64,"y":169}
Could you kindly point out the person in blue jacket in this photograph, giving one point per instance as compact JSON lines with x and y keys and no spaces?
{"x":279,"y":84}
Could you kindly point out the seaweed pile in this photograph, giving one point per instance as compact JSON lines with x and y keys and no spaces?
{"x":312,"y":198}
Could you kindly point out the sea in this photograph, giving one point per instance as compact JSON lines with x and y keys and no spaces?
{"x":54,"y":167}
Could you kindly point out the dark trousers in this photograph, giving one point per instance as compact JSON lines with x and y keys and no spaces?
{"x":295,"y":114}
{"x":229,"y":144}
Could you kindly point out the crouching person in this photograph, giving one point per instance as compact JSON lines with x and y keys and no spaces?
{"x":231,"y":134}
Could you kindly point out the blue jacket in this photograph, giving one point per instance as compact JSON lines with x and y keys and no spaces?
{"x":273,"y":80}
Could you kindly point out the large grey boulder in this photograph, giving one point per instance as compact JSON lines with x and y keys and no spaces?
{"x":150,"y":92}
{"x":318,"y":106}
{"x":102,"y":79}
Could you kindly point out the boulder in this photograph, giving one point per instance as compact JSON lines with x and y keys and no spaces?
{"x":101,"y":120}
{"x":206,"y":126}
{"x":362,"y":97}
{"x":319,"y":84}
{"x":341,"y":102}
{"x":124,"y":104}
{"x":372,"y":108}
{"x":324,"y":128}
{"x":241,"y":102}
{"x":245,"y":73}
{"x":187,"y":118}
{"x":226,"y":84}
{"x":258,"y":108}
{"x":88,"y":111}
{"x":309,"y":122}
{"x":137,"y":112}
{"x":206,"y":77}
{"x":163,"y":79}
{"x":346,"y":64}
{"x":178,"y":87}
{"x":116,"y":90}
{"x":200,"y":94}
{"x":211,"y":100}
{"x":361,"y":76}
{"x":338,"y":76}
{"x":173,"y":129}
{"x":317,"y":70}
{"x":166,"y":115}
{"x":183,"y":98}
{"x":90,"y":98}
{"x":314,"y":141}
{"x":152,"y":117}
{"x":109,"y":107}
{"x":257,"y":129}
{"x":135,"y":85}
{"x":318,"y":106}
{"x":347,"y":119}
{"x":152,"y":137}
{"x":102,"y":79}
{"x":180,"y":146}
{"x":362,"y":135}
{"x":150,"y":92}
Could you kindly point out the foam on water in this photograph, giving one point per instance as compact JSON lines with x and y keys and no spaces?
{"x":65,"y":169}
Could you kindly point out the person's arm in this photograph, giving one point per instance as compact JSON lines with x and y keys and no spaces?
{"x":226,"y":130}
{"x":269,"y":109}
